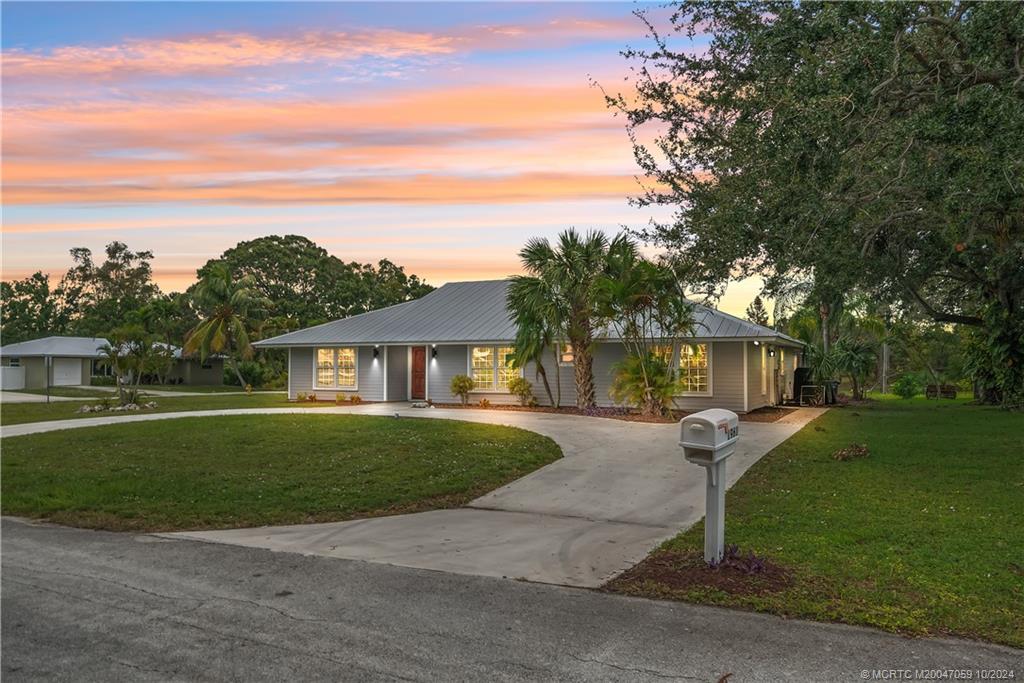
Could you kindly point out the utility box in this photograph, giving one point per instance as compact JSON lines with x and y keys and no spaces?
{"x":708,"y":438}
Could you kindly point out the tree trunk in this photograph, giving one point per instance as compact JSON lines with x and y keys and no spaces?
{"x":238,"y":374}
{"x":544,"y":378}
{"x":823,"y":311}
{"x":584,"y":375}
{"x":558,"y":375}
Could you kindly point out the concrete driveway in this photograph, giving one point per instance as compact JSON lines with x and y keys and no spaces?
{"x":621,"y":489}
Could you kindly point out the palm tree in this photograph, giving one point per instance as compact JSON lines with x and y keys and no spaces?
{"x":535,"y":334}
{"x":130,"y":354}
{"x":227,"y":304}
{"x":561,"y":291}
{"x":857,"y":358}
{"x":159,"y":318}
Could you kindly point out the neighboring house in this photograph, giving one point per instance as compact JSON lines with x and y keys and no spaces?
{"x":74,"y":361}
{"x":412,"y":350}
{"x":71,"y":362}
{"x":191,"y":370}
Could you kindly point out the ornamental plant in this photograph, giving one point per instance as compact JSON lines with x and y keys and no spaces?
{"x":521,"y":388}
{"x":461,"y":385}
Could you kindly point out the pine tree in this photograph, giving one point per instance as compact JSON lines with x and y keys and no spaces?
{"x":757,"y":313}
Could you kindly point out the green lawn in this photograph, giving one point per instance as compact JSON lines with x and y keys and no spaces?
{"x":17,"y":413}
{"x":924,"y":536}
{"x":250,"y":470}
{"x":73,"y":392}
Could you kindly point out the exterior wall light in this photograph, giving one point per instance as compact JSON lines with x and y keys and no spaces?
{"x":771,"y":352}
{"x":433,"y":351}
{"x":376,"y":352}
{"x":757,"y":343}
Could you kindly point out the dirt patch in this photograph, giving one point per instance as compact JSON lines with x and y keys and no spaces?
{"x":767,"y":414}
{"x":851,"y":452}
{"x":673,"y":571}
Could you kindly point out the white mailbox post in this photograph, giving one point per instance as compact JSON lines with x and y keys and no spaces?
{"x":708,"y":438}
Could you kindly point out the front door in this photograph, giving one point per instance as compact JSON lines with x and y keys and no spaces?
{"x":419,"y":373}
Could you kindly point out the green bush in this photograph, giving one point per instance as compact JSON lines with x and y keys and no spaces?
{"x":906,"y":386}
{"x":521,"y":388}
{"x":461,"y":386}
{"x":645,"y":382}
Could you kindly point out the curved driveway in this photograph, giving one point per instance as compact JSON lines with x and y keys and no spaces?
{"x":621,"y":489}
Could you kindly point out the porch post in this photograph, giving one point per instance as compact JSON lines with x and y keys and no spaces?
{"x":385,"y":352}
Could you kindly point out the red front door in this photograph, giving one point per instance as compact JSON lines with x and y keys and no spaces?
{"x":419,"y":372}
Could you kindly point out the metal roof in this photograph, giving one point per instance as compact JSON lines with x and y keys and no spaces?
{"x":461,"y":312}
{"x":76,"y":347}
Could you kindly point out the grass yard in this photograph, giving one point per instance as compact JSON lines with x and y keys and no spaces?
{"x":18,"y":413}
{"x":251,"y":470}
{"x":925,"y":535}
{"x":72,"y":392}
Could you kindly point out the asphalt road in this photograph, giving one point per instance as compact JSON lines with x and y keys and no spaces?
{"x":95,"y":606}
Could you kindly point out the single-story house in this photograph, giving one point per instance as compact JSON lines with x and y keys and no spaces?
{"x":74,"y":361}
{"x":412,"y":350}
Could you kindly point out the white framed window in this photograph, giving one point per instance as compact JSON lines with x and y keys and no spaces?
{"x":566,"y":356}
{"x":481,"y":367}
{"x":695,"y":369}
{"x":14,"y":362}
{"x":335,"y":368}
{"x":492,"y":367}
{"x":764,"y":370}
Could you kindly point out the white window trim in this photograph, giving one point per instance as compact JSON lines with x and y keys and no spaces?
{"x":14,"y":361}
{"x":335,"y":387}
{"x":711,"y":367}
{"x":469,"y":368}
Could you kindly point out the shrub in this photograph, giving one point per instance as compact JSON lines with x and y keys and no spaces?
{"x":484,"y":403}
{"x":248,"y":388}
{"x":906,"y":386}
{"x":461,"y":386}
{"x":521,"y":388}
{"x":645,"y":382}
{"x":355,"y":399}
{"x":312,"y":398}
{"x":339,"y":399}
{"x":301,"y":396}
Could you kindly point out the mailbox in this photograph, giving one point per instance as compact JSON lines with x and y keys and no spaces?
{"x":708,"y":438}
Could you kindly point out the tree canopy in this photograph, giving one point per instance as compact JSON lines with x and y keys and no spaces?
{"x":842,"y":145}
{"x":311,"y":286}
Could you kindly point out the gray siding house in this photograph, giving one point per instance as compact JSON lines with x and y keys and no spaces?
{"x":74,"y":361}
{"x":412,"y":350}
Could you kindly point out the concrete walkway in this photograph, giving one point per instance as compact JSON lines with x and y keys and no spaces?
{"x":621,"y":489}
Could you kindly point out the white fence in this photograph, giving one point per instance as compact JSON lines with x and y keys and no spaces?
{"x":12,"y":378}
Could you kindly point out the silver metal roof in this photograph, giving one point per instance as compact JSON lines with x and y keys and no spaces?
{"x":76,"y":347}
{"x":461,"y":312}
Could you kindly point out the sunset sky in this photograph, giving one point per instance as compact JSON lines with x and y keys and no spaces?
{"x":440,"y":136}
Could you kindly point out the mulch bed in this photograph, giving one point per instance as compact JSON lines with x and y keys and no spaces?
{"x":768,"y":414}
{"x":672,"y":571}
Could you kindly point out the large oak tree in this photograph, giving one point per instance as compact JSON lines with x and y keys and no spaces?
{"x":868,"y":145}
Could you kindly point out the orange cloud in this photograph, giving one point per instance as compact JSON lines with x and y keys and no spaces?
{"x":470,"y":144}
{"x":422,"y":189}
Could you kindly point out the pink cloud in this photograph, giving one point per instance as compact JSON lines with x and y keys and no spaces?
{"x":219,"y":52}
